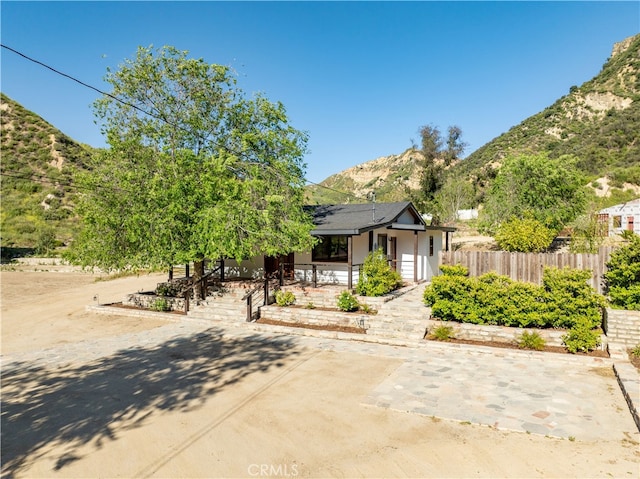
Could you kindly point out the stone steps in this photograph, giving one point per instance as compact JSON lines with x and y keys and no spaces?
{"x":403,"y":318}
{"x":225,"y":307}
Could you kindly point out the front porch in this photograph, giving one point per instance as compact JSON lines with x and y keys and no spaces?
{"x":229,"y":289}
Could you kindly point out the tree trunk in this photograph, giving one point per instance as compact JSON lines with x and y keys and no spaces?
{"x":200,"y":291}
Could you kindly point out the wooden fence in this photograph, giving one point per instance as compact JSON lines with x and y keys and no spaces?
{"x":529,"y":266}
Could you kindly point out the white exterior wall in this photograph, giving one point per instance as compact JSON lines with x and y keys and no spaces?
{"x":626,"y":211}
{"x":433,"y":262}
{"x":328,"y":273}
{"x":427,"y":265}
{"x":336,"y":273}
{"x":253,"y":268}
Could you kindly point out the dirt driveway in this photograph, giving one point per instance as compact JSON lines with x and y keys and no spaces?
{"x":191,"y":400}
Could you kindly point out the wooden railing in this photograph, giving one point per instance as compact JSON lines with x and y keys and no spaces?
{"x":349,"y":269}
{"x":187,"y":291}
{"x":258,"y":296}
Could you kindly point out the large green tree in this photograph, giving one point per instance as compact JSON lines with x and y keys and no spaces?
{"x":438,"y":153}
{"x":534,"y":186}
{"x":194,"y":169}
{"x":455,"y":194}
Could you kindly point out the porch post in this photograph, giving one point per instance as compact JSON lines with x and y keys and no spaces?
{"x":314,"y":277}
{"x":186,"y":270}
{"x":415,"y":256}
{"x":446,"y":235}
{"x":349,"y":262}
{"x":222,"y":270}
{"x":171,"y":273}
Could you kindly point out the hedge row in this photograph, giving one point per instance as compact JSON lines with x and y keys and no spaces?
{"x":564,"y":300}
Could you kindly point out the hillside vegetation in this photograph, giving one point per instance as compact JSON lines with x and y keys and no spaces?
{"x":38,"y":163}
{"x":598,"y":122}
{"x":388,"y":176}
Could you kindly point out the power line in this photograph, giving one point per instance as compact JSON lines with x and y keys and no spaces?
{"x":85,"y":84}
{"x":333,"y":189}
{"x":45,"y":180}
{"x":157,"y":117}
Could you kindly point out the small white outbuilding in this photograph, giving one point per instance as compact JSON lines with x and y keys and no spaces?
{"x":618,"y":218}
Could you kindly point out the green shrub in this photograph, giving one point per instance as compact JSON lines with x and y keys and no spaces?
{"x":635,"y":352}
{"x":310,"y":305}
{"x":531,"y":340}
{"x":564,"y":300}
{"x":161,"y":304}
{"x":377,"y":277}
{"x":623,"y":274}
{"x":626,"y":298}
{"x":285,"y":298}
{"x":442,"y":333}
{"x":524,"y":236}
{"x":347,"y":302}
{"x":366,"y":309}
{"x":581,"y":338}
{"x":454,"y":270}
{"x":45,"y":241}
{"x":570,"y":299}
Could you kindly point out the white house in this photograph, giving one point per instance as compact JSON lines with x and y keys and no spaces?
{"x":347,"y":233}
{"x":618,"y":218}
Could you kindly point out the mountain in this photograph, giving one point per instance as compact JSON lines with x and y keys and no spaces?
{"x":388,"y":176}
{"x":38,"y":163}
{"x":598,"y":122}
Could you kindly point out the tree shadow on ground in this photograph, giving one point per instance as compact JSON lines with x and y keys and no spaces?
{"x":73,"y":405}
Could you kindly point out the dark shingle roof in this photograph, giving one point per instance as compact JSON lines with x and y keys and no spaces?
{"x":354,"y":219}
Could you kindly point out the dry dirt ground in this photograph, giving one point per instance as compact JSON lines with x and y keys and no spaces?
{"x":219,"y":406}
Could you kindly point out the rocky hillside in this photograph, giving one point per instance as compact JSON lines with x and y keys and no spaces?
{"x":599,"y":122}
{"x":388,"y":176}
{"x":38,"y":162}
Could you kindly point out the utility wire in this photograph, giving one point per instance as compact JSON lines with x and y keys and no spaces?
{"x":157,"y":117}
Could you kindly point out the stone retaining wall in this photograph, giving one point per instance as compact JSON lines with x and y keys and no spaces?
{"x":477,"y":332}
{"x":136,"y":313}
{"x":327,"y":296}
{"x":629,"y":382}
{"x":622,"y":327}
{"x":319,"y":317}
{"x":148,"y":300}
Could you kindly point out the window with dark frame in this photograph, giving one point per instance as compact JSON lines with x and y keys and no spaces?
{"x":430,"y":245}
{"x":617,"y":221}
{"x":331,"y":249}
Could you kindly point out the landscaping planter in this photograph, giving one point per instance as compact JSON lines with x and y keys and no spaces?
{"x":504,"y":334}
{"x":320,"y":317}
{"x":149,"y":300}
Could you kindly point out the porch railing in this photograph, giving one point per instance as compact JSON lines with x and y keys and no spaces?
{"x":350,"y":270}
{"x":205,"y":278}
{"x":259,"y":296}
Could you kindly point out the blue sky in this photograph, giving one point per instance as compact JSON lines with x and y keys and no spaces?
{"x":359,"y":77}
